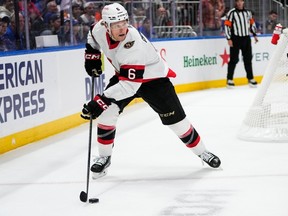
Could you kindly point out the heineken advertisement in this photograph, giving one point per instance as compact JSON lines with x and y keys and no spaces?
{"x":193,"y":61}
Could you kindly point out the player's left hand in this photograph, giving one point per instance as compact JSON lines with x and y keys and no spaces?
{"x":95,"y":107}
{"x":256,"y":39}
{"x":93,"y":61}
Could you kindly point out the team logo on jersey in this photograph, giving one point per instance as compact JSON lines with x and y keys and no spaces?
{"x":129,"y":44}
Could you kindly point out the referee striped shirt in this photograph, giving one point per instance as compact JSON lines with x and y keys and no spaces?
{"x":239,"y":23}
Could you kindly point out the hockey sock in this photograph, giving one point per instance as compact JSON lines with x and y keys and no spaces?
{"x":188,"y":135}
{"x":106,"y":135}
{"x":191,"y":138}
{"x":193,"y":141}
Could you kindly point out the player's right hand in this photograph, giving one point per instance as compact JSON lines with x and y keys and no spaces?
{"x":95,"y":107}
{"x":93,"y":61}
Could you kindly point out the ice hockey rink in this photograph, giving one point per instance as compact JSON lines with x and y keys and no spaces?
{"x":152,"y":172}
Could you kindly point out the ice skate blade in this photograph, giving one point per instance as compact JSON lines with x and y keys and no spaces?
{"x":99,"y":175}
{"x":230,"y":87}
{"x":252,"y":86}
{"x":214,"y":168}
{"x":210,"y":165}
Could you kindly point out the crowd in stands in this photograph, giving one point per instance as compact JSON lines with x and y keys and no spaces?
{"x":49,"y":17}
{"x":45,"y":17}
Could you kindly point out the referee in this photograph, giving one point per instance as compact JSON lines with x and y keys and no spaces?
{"x":238,"y":25}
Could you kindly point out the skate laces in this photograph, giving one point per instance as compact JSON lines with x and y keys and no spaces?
{"x":101,"y":160}
{"x":206,"y":156}
{"x":211,"y":159}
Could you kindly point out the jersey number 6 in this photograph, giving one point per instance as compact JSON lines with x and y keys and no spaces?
{"x":131,"y":74}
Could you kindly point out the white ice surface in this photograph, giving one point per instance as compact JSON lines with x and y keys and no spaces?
{"x":152,"y":173}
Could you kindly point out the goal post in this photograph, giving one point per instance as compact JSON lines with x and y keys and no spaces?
{"x":267,"y":118}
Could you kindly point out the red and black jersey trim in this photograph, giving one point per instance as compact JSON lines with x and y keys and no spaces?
{"x":132,"y":73}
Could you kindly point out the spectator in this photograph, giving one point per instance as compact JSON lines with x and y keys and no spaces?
{"x":76,"y":11}
{"x":66,"y":38}
{"x":259,"y":26}
{"x":17,"y":38}
{"x":42,"y":5}
{"x":55,"y":26}
{"x":212,"y":11}
{"x":162,"y":20}
{"x":223,"y":18}
{"x":4,"y":21}
{"x":145,"y":28}
{"x":271,"y":22}
{"x":37,"y":23}
{"x":51,"y":10}
{"x":81,"y":3}
{"x":153,"y":7}
{"x":134,"y":10}
{"x":88,"y":17}
{"x":98,"y":15}
{"x":7,"y":8}
{"x":182,"y":13}
{"x":5,"y":43}
{"x":31,"y":7}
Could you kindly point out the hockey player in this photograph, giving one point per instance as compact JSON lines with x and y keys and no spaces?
{"x":140,"y":72}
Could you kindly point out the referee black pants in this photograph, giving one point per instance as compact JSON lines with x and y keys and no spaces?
{"x":243,"y":44}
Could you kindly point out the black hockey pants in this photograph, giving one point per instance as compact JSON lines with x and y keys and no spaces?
{"x":161,"y":97}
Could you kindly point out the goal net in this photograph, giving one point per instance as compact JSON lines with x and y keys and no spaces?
{"x":267,"y":118}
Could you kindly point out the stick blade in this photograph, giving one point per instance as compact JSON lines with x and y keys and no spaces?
{"x":83,"y":196}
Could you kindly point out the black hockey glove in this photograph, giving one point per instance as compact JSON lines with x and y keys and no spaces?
{"x":93,"y":61}
{"x":95,"y":107}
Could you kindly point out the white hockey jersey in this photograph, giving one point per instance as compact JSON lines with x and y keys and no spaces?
{"x":135,"y":60}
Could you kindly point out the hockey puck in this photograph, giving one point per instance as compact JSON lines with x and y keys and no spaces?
{"x":93,"y":200}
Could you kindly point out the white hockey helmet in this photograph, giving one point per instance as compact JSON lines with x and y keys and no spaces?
{"x":114,"y":13}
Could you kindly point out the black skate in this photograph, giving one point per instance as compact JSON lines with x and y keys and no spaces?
{"x":252,"y":83}
{"x":230,"y":84}
{"x":99,"y":168}
{"x":211,"y":159}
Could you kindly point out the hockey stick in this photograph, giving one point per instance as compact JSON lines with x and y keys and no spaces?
{"x":83,"y":194}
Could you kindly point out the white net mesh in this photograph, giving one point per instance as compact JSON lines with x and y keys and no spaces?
{"x":267,"y":118}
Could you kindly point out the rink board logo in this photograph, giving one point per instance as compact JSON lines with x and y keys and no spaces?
{"x":99,"y":86}
{"x":198,"y":61}
{"x":20,"y":93}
